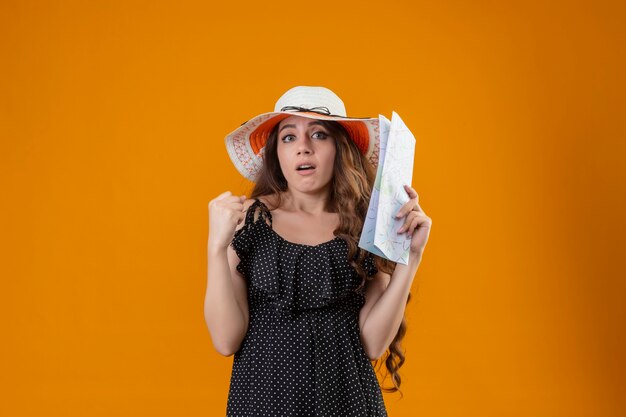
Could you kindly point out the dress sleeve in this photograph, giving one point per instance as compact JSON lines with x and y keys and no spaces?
{"x":243,"y":239}
{"x":369,"y":265}
{"x":241,"y":245}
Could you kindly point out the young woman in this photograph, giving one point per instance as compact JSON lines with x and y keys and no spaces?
{"x":303,"y":309}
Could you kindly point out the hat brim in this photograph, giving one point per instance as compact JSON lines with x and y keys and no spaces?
{"x":246,"y":144}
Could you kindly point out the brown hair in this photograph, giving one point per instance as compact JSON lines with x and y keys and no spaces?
{"x":352,"y":182}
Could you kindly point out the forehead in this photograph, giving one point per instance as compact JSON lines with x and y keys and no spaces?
{"x":299,"y":121}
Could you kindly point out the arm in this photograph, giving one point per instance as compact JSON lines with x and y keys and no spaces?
{"x":385,"y":302}
{"x":226,"y":300}
{"x":385,"y":299}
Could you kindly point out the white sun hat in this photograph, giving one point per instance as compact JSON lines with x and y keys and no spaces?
{"x":246,"y":144}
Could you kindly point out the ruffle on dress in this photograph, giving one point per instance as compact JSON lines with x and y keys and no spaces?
{"x":329,"y":279}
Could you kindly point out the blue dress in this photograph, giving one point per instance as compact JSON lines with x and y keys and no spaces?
{"x":302,"y":355}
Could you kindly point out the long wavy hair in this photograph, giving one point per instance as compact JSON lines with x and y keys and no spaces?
{"x":352,"y":182}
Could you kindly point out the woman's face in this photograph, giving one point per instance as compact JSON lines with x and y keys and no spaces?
{"x":304,"y":141}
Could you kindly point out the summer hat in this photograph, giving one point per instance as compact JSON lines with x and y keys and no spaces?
{"x":246,"y":144}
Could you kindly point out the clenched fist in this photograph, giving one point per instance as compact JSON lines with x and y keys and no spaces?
{"x":225,"y":213}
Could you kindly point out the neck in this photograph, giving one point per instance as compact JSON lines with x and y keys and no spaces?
{"x":310,"y":203}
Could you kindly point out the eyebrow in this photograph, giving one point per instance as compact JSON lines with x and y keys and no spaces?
{"x":310,"y":124}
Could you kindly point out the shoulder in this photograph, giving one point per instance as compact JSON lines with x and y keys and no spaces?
{"x":248,"y":203}
{"x":240,"y":243}
{"x":246,"y":206}
{"x":269,"y":201}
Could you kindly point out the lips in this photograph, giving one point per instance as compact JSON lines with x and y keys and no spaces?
{"x":305,"y":166}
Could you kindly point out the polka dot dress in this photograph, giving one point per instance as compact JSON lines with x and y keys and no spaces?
{"x":302,"y":355}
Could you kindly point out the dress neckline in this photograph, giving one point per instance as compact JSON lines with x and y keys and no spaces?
{"x":271,"y":228}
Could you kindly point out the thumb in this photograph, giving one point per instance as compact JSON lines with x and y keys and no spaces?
{"x":224,"y":194}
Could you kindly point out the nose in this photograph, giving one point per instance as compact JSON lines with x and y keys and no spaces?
{"x":304,"y":147}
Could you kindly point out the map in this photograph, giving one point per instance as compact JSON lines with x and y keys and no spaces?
{"x":395,"y":168}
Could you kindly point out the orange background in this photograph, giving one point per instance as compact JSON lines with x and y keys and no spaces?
{"x":112,"y":119}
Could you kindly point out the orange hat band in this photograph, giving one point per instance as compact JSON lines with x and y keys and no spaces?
{"x":357,"y":131}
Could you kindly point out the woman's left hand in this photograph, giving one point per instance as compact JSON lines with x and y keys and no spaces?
{"x":417,"y":223}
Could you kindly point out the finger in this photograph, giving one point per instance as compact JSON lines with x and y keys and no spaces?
{"x":236,"y":204}
{"x":406,"y":208}
{"x":406,"y":223}
{"x":239,"y":199}
{"x":411,"y":192}
{"x":416,"y":221}
{"x":234,"y":199}
{"x":414,"y":196}
{"x":243,"y":200}
{"x":223,"y":195}
{"x":219,"y":197}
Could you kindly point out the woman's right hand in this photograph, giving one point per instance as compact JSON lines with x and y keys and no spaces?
{"x":225,"y":213}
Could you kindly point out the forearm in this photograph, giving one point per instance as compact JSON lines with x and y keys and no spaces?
{"x":383,"y":320}
{"x":222,"y":313}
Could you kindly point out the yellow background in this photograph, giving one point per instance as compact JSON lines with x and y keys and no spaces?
{"x":112,"y":120}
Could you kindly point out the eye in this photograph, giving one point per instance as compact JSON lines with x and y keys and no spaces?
{"x":319,"y":133}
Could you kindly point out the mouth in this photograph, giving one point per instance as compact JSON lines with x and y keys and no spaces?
{"x":305,"y":167}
